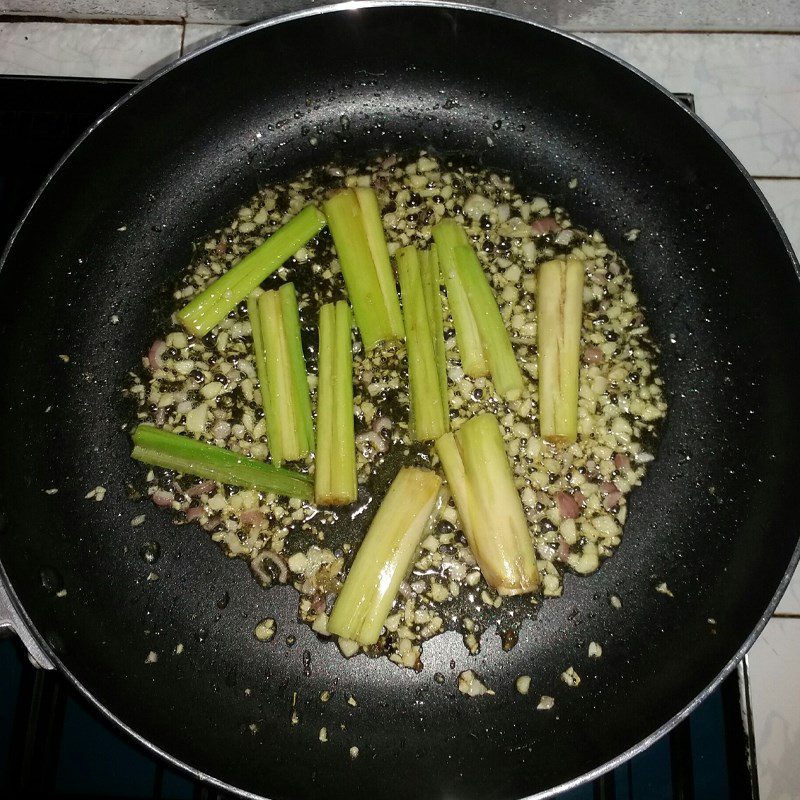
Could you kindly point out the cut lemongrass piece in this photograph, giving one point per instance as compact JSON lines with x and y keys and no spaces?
{"x":429,"y":416}
{"x":479,"y":475}
{"x":559,"y":317}
{"x":506,"y":374}
{"x":161,"y":448}
{"x":385,"y":556}
{"x":431,"y":284}
{"x":376,"y":238}
{"x":357,"y":230}
{"x":213,"y":304}
{"x":448,"y":235}
{"x":285,"y":396}
{"x":273,"y":434}
{"x":301,"y":396}
{"x":335,"y":460}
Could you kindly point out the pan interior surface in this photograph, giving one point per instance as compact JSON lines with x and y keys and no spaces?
{"x":116,"y":225}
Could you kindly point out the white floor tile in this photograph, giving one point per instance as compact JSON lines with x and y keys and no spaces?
{"x":783,"y":15}
{"x":86,"y":50}
{"x":196,"y":35}
{"x":239,"y":11}
{"x":790,"y":602}
{"x":747,"y":87}
{"x":784,"y":197}
{"x":774,"y":667}
{"x":94,"y":9}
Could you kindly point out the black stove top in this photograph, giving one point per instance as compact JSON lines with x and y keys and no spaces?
{"x":53,"y":744}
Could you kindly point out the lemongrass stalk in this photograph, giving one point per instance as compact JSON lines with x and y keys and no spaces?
{"x":479,"y":475}
{"x":431,"y":284}
{"x":285,"y":395}
{"x":385,"y":556}
{"x":428,"y":404}
{"x":300,"y":392}
{"x":503,"y":366}
{"x":448,"y":235}
{"x":213,"y":304}
{"x":260,"y":355}
{"x":360,"y":244}
{"x":376,"y":238}
{"x":559,"y":311}
{"x":335,"y":460}
{"x":161,"y":448}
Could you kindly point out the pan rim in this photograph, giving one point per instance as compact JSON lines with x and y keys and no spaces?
{"x":356,"y":5}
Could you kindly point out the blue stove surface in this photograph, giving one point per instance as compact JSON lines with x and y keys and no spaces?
{"x":94,"y":759}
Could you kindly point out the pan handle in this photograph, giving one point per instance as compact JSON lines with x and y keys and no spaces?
{"x":12,"y":623}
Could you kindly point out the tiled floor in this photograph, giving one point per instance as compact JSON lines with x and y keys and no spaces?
{"x":774,"y":663}
{"x":746,"y":81}
{"x":87,"y":50}
{"x":611,"y":15}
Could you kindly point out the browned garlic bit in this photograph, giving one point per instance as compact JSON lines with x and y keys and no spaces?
{"x":471,"y":685}
{"x":574,"y":497}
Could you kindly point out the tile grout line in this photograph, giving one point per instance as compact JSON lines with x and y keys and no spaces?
{"x":183,"y":36}
{"x":31,"y":18}
{"x":112,"y":20}
{"x":785,"y":615}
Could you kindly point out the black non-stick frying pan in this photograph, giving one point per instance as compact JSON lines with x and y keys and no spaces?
{"x":115,"y":224}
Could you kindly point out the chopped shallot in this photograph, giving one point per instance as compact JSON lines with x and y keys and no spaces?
{"x":567,"y":506}
{"x":162,"y":498}
{"x":280,"y":563}
{"x":621,"y":461}
{"x":592,"y":355}
{"x":612,"y":495}
{"x":205,"y":487}
{"x":544,"y":225}
{"x":193,"y":513}
{"x":156,"y":351}
{"x":252,"y":516}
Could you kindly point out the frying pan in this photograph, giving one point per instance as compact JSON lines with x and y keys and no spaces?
{"x":114,"y":225}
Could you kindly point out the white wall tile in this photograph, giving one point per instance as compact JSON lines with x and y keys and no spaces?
{"x":85,"y":50}
{"x":196,"y":35}
{"x":747,"y":87}
{"x":774,"y":667}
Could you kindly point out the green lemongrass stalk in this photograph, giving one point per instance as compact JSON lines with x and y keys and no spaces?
{"x":559,"y":312}
{"x":212,"y":305}
{"x":431,"y":283}
{"x":478,"y":472}
{"x":284,"y":396}
{"x":373,"y":227}
{"x":260,"y":356}
{"x":429,"y":414}
{"x":448,"y":235}
{"x":335,"y":469}
{"x":355,"y":224}
{"x":300,"y":391}
{"x":506,"y":374}
{"x":385,"y":556}
{"x":161,"y":448}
